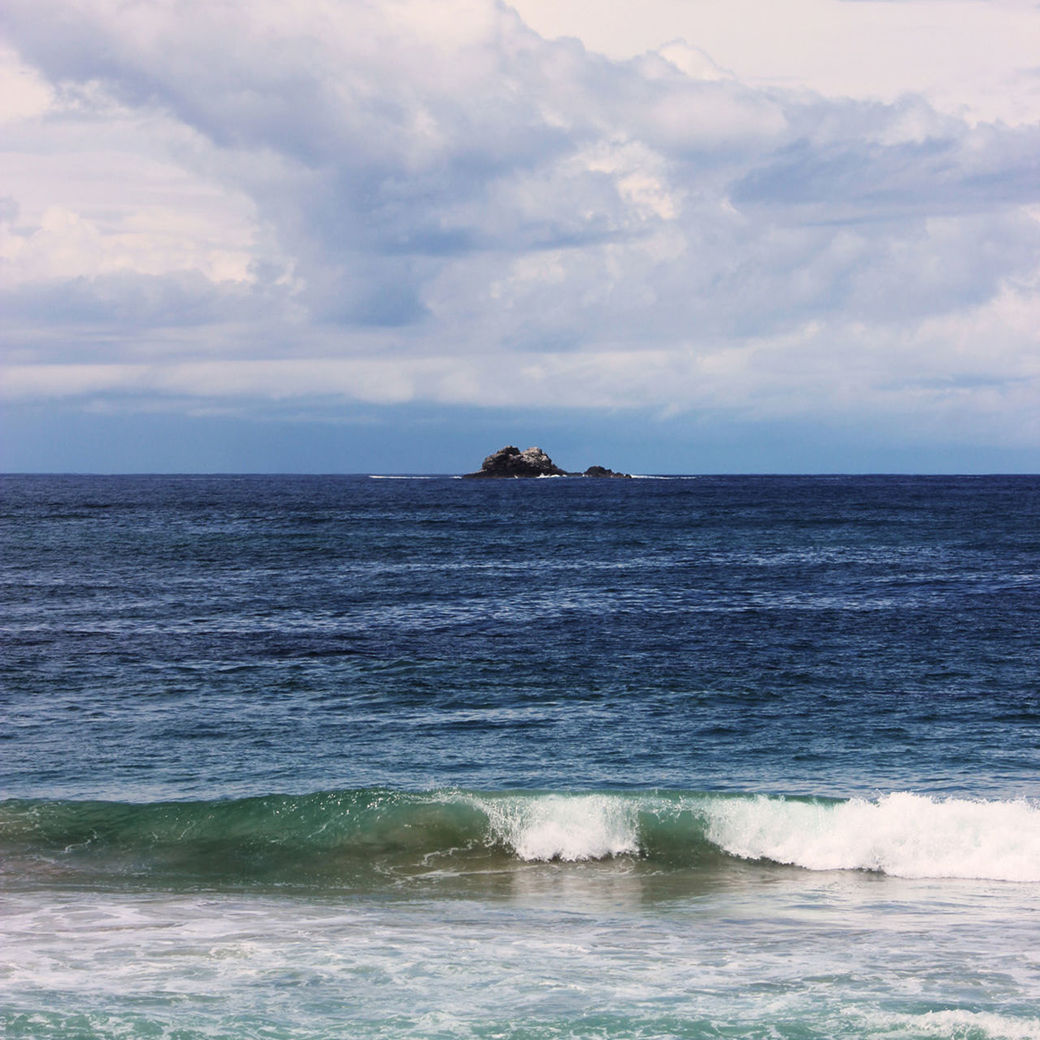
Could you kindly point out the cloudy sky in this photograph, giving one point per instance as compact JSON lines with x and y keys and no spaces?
{"x":393,"y":235}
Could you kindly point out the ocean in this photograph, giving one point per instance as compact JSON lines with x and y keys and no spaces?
{"x":289,"y":758}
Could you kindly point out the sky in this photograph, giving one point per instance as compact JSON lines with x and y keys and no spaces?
{"x":683,"y":236}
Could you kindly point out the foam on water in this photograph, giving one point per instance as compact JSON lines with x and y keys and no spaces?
{"x":570,"y":828}
{"x":903,"y":834}
{"x":543,"y":961}
{"x":900,"y":834}
{"x":952,"y":1024}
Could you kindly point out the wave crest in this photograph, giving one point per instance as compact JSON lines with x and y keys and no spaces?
{"x":564,"y":827}
{"x":903,"y":834}
{"x":341,"y":834}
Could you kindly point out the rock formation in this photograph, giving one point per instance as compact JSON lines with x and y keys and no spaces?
{"x":510,"y":461}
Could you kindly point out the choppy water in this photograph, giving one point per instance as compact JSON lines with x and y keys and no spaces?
{"x":344,"y":757}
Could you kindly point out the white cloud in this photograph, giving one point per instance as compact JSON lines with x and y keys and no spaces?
{"x":973,"y":58}
{"x":91,"y":188}
{"x":415,"y":201}
{"x":24,"y":94}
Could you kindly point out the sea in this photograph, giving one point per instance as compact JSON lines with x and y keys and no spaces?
{"x":360,"y":757}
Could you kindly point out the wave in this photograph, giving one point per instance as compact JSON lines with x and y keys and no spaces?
{"x":339,"y":834}
{"x":902,"y":834}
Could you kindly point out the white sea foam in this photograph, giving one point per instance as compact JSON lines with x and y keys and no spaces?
{"x":954,"y":1024}
{"x":564,"y":827}
{"x":902,"y":834}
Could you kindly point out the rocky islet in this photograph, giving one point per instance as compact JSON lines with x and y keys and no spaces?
{"x":510,"y":461}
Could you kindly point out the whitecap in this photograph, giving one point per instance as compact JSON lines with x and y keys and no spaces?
{"x":564,"y":827}
{"x":902,"y":834}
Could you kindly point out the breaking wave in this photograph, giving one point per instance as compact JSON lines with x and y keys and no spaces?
{"x":340,"y":833}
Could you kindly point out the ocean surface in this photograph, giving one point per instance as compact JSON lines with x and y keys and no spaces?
{"x":290,"y":758}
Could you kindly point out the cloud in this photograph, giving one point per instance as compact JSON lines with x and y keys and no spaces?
{"x":411,"y":202}
{"x":971,"y":58}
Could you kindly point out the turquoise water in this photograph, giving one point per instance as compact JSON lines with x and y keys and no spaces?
{"x":343,"y":757}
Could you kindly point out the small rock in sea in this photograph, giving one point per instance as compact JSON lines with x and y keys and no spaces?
{"x":510,"y":461}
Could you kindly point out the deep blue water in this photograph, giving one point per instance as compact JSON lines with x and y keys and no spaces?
{"x":201,"y":636}
{"x":301,"y":757}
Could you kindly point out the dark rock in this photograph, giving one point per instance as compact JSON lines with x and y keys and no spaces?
{"x":512,"y":462}
{"x":533,"y":462}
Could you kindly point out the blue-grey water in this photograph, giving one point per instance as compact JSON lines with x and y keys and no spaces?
{"x":302,"y":757}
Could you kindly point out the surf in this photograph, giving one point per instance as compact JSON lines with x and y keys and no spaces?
{"x":337,"y":835}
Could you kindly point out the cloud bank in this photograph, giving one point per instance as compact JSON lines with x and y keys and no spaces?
{"x":428,"y":202}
